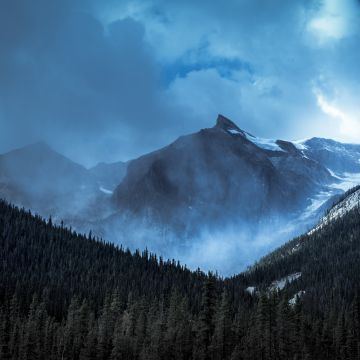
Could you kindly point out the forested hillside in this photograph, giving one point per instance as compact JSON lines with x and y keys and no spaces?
{"x":69,"y":296}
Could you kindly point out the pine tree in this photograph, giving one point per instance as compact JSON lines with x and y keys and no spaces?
{"x":205,"y":324}
{"x":341,"y":337}
{"x":155,"y":331}
{"x":70,"y":345}
{"x":140,"y":327}
{"x":105,"y":331}
{"x":266,"y":326}
{"x":4,"y":335}
{"x":88,"y":351}
{"x":117,"y":352}
{"x":222,"y":338}
{"x":285,"y":329}
{"x":31,"y":336}
{"x":353,"y":321}
{"x":15,"y":321}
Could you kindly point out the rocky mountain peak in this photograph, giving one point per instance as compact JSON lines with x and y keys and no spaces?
{"x":223,"y":123}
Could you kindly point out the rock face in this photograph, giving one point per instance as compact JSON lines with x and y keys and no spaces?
{"x":219,"y":175}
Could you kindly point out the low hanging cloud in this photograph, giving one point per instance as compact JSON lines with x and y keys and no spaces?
{"x":112,"y":80}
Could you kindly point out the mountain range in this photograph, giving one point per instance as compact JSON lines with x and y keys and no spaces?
{"x":244,"y":193}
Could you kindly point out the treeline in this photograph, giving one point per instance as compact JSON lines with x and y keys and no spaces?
{"x":68,"y":296}
{"x":166,"y":329}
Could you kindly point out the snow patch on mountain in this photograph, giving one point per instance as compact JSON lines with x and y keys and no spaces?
{"x":266,"y":144}
{"x":297,"y":296}
{"x":350,"y":202}
{"x":235,"y":132}
{"x":300,"y":144}
{"x":295,"y":248}
{"x":251,"y":290}
{"x":280,"y":284}
{"x":105,"y":191}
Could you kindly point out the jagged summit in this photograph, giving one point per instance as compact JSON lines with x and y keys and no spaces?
{"x":226,"y":124}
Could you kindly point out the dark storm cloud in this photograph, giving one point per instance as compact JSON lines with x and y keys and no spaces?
{"x":110,"y":80}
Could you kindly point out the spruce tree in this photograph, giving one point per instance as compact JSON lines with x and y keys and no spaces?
{"x":222,"y":338}
{"x":205,"y":323}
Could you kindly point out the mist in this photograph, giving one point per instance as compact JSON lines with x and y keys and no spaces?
{"x":225,"y":250}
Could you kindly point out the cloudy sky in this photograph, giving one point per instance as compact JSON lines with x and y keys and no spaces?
{"x":108,"y":80}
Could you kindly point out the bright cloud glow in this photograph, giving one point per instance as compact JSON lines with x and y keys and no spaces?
{"x":334,"y":21}
{"x":349,"y":124}
{"x":329,"y":27}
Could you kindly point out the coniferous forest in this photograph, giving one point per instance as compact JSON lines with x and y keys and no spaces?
{"x":68,"y":296}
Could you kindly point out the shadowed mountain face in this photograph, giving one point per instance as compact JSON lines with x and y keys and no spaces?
{"x":39,"y":178}
{"x":38,"y":164}
{"x":35,"y":176}
{"x":219,"y":176}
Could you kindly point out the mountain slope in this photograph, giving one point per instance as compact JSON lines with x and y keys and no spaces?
{"x":347,"y":202}
{"x":219,"y":175}
{"x":39,"y":178}
{"x":327,"y":257}
{"x":39,"y":169}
